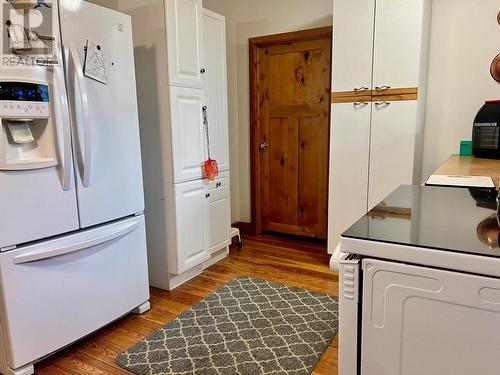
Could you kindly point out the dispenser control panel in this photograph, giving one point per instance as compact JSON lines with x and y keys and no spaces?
{"x":24,"y":99}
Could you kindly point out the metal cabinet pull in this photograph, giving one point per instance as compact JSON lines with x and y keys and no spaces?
{"x":381,"y":88}
{"x":363,"y":88}
{"x":383,"y":104}
{"x":360,"y":104}
{"x":202,"y":71}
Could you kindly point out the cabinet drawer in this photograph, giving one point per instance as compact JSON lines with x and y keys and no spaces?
{"x":59,"y":291}
{"x":221,"y":182}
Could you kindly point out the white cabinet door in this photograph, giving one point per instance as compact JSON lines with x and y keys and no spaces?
{"x":220,"y":218}
{"x":399,"y":38}
{"x":352,"y":44}
{"x":189,"y":244}
{"x":214,"y":26}
{"x":184,"y":20}
{"x":392,"y":152}
{"x":419,"y":320}
{"x":349,"y":156}
{"x":188,"y":138}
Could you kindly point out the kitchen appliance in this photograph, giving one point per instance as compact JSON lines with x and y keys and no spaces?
{"x":486,"y":131}
{"x":72,"y":233}
{"x":420,"y":288}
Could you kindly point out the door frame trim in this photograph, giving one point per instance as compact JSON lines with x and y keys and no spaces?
{"x":254,"y":44}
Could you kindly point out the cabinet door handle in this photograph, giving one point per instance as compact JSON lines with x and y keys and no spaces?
{"x":381,"y":88}
{"x":202,"y":71}
{"x":363,"y":88}
{"x":360,"y":104}
{"x":207,"y":195}
{"x":383,"y":104}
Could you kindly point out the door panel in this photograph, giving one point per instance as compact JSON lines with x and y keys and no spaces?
{"x":349,"y":167}
{"x":188,"y":136}
{"x":420,"y":320}
{"x":391,"y":158}
{"x":189,"y":243}
{"x":398,"y":42}
{"x":38,"y":203}
{"x":214,"y":35}
{"x":107,"y":146}
{"x":185,"y":42}
{"x":90,"y":286}
{"x":352,"y":44}
{"x":220,"y":218}
{"x":294,"y":108}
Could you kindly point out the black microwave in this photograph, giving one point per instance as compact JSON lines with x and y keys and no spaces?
{"x":486,"y":131}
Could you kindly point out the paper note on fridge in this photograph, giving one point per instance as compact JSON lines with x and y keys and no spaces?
{"x":96,"y":62}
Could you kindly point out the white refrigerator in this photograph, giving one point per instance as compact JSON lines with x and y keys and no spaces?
{"x":72,"y":235}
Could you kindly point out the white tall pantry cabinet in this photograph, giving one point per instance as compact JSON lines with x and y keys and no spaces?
{"x":181,"y":71}
{"x":378,"y":103}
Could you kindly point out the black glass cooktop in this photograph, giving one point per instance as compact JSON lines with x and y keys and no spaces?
{"x":452,"y":219}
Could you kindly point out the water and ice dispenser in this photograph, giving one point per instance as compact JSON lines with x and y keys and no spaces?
{"x":27,"y":130}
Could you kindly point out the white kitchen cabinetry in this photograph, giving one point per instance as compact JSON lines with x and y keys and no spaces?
{"x":214,"y":34}
{"x":184,"y":23}
{"x":391,"y":163}
{"x":380,"y":50}
{"x":350,"y":147}
{"x":353,"y":44}
{"x":219,"y":215}
{"x":188,"y":233}
{"x":188,"y":135}
{"x":401,"y":32}
{"x":187,"y":216}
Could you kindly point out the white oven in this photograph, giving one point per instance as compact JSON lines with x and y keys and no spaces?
{"x":408,"y":309}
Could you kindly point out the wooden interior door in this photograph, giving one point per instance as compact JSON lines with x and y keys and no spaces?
{"x":292,"y":114}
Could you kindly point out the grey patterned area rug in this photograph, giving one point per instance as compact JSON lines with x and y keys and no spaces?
{"x":248,"y":326}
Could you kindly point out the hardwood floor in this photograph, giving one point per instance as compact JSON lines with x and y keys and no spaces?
{"x":288,"y":261}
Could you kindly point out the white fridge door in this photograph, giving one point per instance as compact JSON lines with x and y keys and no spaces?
{"x":104,"y":115}
{"x":37,"y":199}
{"x":56,"y":292}
{"x":420,"y":320}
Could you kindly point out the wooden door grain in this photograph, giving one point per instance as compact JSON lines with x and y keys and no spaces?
{"x":291,"y":87}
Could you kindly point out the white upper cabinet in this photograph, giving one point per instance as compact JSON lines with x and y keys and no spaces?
{"x":392,"y":152}
{"x":352,"y":44}
{"x":214,"y":40}
{"x":188,"y":138}
{"x":184,"y":20}
{"x":400,"y":38}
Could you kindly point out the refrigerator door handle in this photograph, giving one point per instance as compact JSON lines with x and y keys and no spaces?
{"x":118,"y":232}
{"x":80,"y":82}
{"x":64,"y":121}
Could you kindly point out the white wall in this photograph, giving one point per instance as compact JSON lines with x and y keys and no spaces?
{"x":246,"y":19}
{"x":465,"y":37}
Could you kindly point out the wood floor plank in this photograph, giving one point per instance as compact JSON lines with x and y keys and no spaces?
{"x":290,"y":261}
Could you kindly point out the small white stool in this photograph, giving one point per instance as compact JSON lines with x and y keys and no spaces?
{"x":235,"y":232}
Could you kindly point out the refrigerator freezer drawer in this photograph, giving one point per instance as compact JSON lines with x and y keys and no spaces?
{"x":55,"y":292}
{"x":419,"y":320}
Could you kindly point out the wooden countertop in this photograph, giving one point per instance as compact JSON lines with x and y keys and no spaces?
{"x":471,"y":166}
